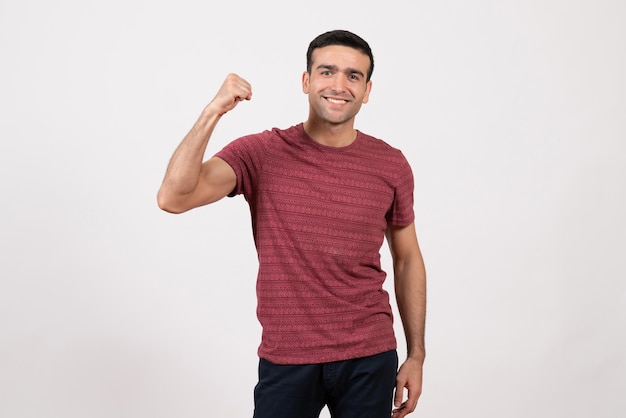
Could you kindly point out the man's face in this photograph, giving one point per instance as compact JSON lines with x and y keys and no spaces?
{"x":337,"y":85}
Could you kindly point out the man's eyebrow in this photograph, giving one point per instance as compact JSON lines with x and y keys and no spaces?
{"x":327,"y":67}
{"x":335,"y":68}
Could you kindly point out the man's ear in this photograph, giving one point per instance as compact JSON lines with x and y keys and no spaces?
{"x":305,"y":82}
{"x":368,"y":89}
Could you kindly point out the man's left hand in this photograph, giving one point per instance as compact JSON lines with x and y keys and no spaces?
{"x":409,"y":377}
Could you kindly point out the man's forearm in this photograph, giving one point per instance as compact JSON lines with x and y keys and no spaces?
{"x":184,"y":167}
{"x":410,"y":288}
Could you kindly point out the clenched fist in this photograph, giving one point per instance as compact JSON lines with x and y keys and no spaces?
{"x":233,"y":90}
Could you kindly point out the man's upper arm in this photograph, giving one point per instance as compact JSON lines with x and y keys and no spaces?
{"x":217,"y":180}
{"x":402,"y":242}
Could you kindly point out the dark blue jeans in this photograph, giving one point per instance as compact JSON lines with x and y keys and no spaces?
{"x":358,"y":388}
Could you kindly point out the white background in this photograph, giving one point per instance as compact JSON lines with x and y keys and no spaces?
{"x":512,"y":114}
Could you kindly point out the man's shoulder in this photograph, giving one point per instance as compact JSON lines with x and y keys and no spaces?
{"x":380,"y":146}
{"x":273,"y":134}
{"x":260,"y":138}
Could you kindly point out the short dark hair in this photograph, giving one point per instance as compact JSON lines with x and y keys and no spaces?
{"x":343,"y":38}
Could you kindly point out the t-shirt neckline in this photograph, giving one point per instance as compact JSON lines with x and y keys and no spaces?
{"x":300,"y":127}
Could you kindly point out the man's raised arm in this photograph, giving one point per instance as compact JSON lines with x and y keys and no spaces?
{"x":189,"y":182}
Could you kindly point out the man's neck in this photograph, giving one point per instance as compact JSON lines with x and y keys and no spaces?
{"x":331,"y":135}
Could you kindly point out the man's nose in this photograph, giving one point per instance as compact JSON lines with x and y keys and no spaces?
{"x":339,"y":83}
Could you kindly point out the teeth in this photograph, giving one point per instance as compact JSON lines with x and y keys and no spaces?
{"x":336,"y":101}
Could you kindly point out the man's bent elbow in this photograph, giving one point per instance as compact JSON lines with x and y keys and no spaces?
{"x":167,"y":204}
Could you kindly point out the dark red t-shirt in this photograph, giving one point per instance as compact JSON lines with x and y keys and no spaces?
{"x":319,"y":215}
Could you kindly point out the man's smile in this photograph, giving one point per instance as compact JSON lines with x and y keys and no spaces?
{"x":336,"y":101}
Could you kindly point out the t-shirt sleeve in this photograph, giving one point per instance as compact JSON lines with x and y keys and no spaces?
{"x":401,"y":212}
{"x":245,"y":155}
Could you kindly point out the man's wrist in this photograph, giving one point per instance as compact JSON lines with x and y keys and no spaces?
{"x":417,"y":355}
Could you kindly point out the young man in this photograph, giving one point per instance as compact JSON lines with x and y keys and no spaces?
{"x":322,"y":196}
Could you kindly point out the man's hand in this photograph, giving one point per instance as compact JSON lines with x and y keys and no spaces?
{"x":233,"y":90}
{"x":409,"y":377}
